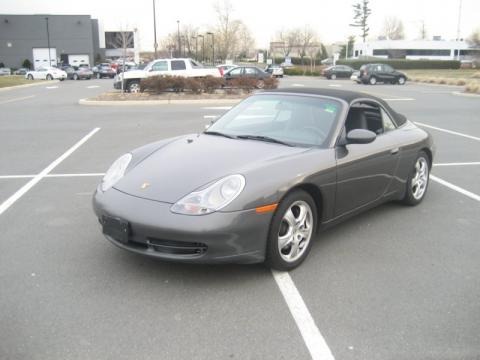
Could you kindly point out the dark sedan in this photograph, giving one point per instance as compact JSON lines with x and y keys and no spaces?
{"x":82,"y":72}
{"x":259,"y":183}
{"x":248,"y":72}
{"x":375,"y":73}
{"x":338,"y":71}
{"x":104,"y":70}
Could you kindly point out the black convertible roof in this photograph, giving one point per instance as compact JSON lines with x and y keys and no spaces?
{"x":346,"y":95}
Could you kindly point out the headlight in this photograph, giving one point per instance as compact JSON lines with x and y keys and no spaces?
{"x":212,"y":198}
{"x":116,"y":171}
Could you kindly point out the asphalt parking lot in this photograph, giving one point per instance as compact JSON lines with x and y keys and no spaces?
{"x":392,"y":283}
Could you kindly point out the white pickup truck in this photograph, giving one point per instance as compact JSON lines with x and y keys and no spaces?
{"x":174,"y":67}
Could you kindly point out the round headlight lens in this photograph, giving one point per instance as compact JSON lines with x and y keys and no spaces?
{"x":116,"y":171}
{"x":212,"y":198}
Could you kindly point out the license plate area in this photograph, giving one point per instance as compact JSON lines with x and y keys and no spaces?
{"x":116,"y":228}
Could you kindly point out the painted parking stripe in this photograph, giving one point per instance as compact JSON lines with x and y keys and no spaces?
{"x":458,"y":164}
{"x":217,"y":107}
{"x":17,"y":99}
{"x":93,"y":87}
{"x":51,"y":87}
{"x":448,"y":131}
{"x":335,"y":85}
{"x":467,"y":193}
{"x":298,"y":85}
{"x":25,"y":188}
{"x":316,"y":344}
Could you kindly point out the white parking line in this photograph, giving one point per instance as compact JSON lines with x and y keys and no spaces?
{"x":217,"y":107}
{"x":448,"y":131}
{"x":7,"y":177}
{"x":458,"y":164}
{"x":93,"y":87}
{"x":17,"y":99}
{"x":51,"y":87}
{"x":316,"y":344}
{"x":335,"y":85}
{"x":298,"y":85}
{"x":23,"y":190}
{"x":470,"y":194}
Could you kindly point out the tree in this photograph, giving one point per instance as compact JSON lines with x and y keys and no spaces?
{"x":393,"y":28}
{"x":290,"y":39}
{"x":27,"y":64}
{"x":324,"y":53}
{"x":361,"y":13}
{"x":474,"y":38}
{"x":422,"y":30}
{"x":308,"y":39}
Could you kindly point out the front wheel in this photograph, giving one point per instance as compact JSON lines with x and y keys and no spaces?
{"x":333,"y":76}
{"x":417,"y":182}
{"x":401,"y":80}
{"x":49,"y":77}
{"x":133,"y":86}
{"x":291,"y":231}
{"x":373,"y":80}
{"x":30,"y":77}
{"x":260,"y":84}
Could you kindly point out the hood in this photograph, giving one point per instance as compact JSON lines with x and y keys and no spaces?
{"x":191,"y":162}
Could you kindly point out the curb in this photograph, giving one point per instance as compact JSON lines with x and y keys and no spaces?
{"x":156,"y":102}
{"x":457,"y":93}
{"x":42,"y":82}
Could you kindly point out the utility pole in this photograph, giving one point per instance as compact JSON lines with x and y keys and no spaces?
{"x":203,"y":47}
{"x":213,"y":47}
{"x":48,"y":44}
{"x":458,"y":26}
{"x":155,"y":45}
{"x":179,"y":52}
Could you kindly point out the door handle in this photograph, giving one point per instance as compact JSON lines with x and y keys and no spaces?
{"x":394,"y":151}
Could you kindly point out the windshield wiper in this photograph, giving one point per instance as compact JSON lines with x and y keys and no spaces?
{"x":219,"y":134}
{"x":263,"y":138}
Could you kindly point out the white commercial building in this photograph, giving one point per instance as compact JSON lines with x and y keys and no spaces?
{"x":415,"y":49}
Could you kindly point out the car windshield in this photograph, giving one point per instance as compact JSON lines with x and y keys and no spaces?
{"x":292,"y":119}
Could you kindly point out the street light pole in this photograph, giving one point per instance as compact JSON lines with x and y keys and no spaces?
{"x":213,"y":47}
{"x":178,"y":36}
{"x":48,"y":42}
{"x":196,"y":46}
{"x":155,"y":45}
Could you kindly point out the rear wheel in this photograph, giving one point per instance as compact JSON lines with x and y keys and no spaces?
{"x":30,"y":77}
{"x":333,"y":76}
{"x":417,"y":182}
{"x":260,"y":84}
{"x":401,"y":80}
{"x":291,"y":231}
{"x":372,"y":80}
{"x":49,"y":77}
{"x":75,"y":77}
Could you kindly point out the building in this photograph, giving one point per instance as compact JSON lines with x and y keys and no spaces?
{"x":72,"y":39}
{"x":415,"y":49}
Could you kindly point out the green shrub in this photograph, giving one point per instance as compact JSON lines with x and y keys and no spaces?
{"x":27,"y":64}
{"x":244,"y":83}
{"x":404,"y":64}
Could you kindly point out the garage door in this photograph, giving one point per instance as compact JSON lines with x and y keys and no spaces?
{"x":40,"y":57}
{"x":77,"y":60}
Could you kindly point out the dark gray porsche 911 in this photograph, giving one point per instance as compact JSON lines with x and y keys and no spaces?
{"x":260,"y":182}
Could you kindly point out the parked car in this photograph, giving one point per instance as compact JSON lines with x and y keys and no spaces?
{"x":355,"y":76}
{"x":46,"y":73}
{"x":175,"y":67}
{"x":82,"y":72}
{"x":275,"y":70}
{"x":223,"y":68}
{"x":249,"y":72}
{"x":5,"y":71}
{"x":298,"y":161}
{"x":373,"y":73}
{"x":338,"y":71}
{"x":21,"y":71}
{"x":103,"y":70}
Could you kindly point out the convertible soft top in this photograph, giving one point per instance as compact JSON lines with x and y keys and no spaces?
{"x":348,"y":96}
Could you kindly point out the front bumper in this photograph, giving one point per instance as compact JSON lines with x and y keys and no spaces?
{"x":221,"y":237}
{"x":117,"y":85}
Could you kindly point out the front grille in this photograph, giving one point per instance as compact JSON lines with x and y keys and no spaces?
{"x":176,"y":247}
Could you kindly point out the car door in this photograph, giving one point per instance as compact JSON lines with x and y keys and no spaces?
{"x":235,"y":73}
{"x":251,"y":72}
{"x":178,"y":67}
{"x":388,"y":73}
{"x":159,"y":68}
{"x":41,"y":74}
{"x":364,"y":171}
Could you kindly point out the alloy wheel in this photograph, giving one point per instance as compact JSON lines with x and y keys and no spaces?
{"x":420,"y":179}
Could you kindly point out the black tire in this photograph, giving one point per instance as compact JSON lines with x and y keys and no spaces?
{"x":133,"y":86}
{"x":333,"y":76}
{"x":99,"y":76}
{"x":49,"y":77}
{"x":273,"y":257}
{"x":372,"y":80}
{"x":401,"y":80}
{"x":410,"y":198}
{"x":260,"y":84}
{"x":75,"y":77}
{"x":30,"y":77}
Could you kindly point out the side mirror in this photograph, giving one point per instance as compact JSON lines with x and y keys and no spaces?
{"x":360,"y":136}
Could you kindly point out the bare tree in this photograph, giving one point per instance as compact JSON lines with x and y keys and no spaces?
{"x":289,"y":39}
{"x":474,"y":38}
{"x":308,"y":37}
{"x":245,"y":41}
{"x":422,"y":30}
{"x":393,"y":28}
{"x":361,"y":12}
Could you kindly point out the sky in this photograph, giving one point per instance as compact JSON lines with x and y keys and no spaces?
{"x":330,"y":19}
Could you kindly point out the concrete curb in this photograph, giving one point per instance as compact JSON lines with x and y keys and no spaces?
{"x":42,"y":82}
{"x":457,"y":93}
{"x":157,"y":102}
